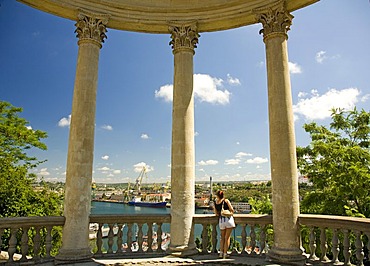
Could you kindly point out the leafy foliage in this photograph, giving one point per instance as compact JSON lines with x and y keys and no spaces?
{"x":337,"y":162}
{"x":17,"y":196}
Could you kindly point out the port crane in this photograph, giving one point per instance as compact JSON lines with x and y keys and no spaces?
{"x":139,"y":180}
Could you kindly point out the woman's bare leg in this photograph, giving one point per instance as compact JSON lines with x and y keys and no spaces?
{"x":227,"y":239}
{"x":222,"y":241}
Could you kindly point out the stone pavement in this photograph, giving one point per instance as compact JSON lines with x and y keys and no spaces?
{"x":211,"y":259}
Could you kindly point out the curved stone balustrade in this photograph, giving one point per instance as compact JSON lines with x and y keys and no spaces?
{"x":19,"y":229}
{"x":344,"y":235}
{"x":328,"y":239}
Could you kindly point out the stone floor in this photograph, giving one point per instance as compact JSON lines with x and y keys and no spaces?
{"x":194,"y":260}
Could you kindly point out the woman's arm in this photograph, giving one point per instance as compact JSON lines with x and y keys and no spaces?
{"x":214,"y":208}
{"x":230,"y":206}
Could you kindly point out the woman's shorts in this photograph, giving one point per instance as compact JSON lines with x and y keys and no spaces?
{"x":226,"y":222}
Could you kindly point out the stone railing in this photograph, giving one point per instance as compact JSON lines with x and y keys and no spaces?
{"x":126,"y":235}
{"x":251,"y":230}
{"x":26,"y":238}
{"x":335,"y":239}
{"x":327,"y":239}
{"x":150,"y":234}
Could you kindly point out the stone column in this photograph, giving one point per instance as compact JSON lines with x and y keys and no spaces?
{"x":184,"y":40}
{"x":276,"y":22}
{"x":91,"y":33}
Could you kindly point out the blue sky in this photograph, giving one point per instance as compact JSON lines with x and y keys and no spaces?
{"x":329,"y":65}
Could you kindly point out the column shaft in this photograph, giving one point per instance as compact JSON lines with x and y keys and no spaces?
{"x":285,"y":199}
{"x":282,"y":146}
{"x":77,"y":201}
{"x":182,"y":156}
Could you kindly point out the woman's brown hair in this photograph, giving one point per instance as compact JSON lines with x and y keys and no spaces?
{"x":220,"y":194}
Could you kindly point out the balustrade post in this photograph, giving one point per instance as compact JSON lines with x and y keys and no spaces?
{"x":253,"y":239}
{"x":99,"y":239}
{"x":2,"y":230}
{"x":110,"y":238}
{"x":37,"y":244}
{"x":24,"y":243}
{"x":263,"y":240}
{"x":214,"y":238}
{"x":12,"y":243}
{"x":150,"y":236}
{"x":159,"y":237}
{"x":119,"y":238}
{"x":323,"y":245}
{"x":244,"y":238}
{"x":48,"y":241}
{"x":359,"y":249}
{"x":312,"y":237}
{"x":368,"y":243}
{"x":346,"y":248}
{"x":335,"y":248}
{"x":140,"y":237}
{"x":129,"y":239}
{"x":204,"y":239}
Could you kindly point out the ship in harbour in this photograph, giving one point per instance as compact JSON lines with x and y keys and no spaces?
{"x":150,"y":200}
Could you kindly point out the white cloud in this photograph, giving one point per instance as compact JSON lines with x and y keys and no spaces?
{"x":208,"y":162}
{"x":107,"y":127}
{"x":206,"y":89}
{"x":232,"y":161}
{"x":144,"y":136}
{"x":44,"y":172}
{"x":196,"y":134}
{"x":232,"y":81}
{"x":105,"y":157}
{"x":165,"y":92}
{"x":29,"y":127}
{"x":365,"y":98}
{"x":316,"y":106}
{"x":65,"y":121}
{"x":294,"y":68}
{"x":139,"y":166}
{"x":104,"y":168}
{"x":116,"y":172}
{"x":257,"y":160}
{"x":242,"y":154}
{"x":320,"y":57}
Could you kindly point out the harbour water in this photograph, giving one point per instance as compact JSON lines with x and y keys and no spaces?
{"x":103,"y":207}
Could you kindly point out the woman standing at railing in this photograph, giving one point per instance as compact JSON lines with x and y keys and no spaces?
{"x":225,"y":221}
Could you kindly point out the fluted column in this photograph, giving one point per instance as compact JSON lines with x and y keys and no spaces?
{"x":91,"y":31}
{"x":276,"y":22}
{"x":184,"y":40}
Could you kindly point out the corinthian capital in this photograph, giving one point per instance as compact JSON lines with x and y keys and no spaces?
{"x":275,"y":20}
{"x":184,"y":36}
{"x":91,"y":28}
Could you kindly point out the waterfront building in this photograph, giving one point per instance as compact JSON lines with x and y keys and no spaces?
{"x":242,"y":207}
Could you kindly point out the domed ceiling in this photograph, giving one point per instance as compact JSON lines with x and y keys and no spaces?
{"x":154,"y":16}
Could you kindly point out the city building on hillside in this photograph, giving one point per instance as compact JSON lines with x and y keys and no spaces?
{"x":158,"y":197}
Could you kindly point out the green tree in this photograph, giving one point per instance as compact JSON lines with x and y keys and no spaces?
{"x":337,"y":162}
{"x":262,"y":205}
{"x":17,"y":197}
